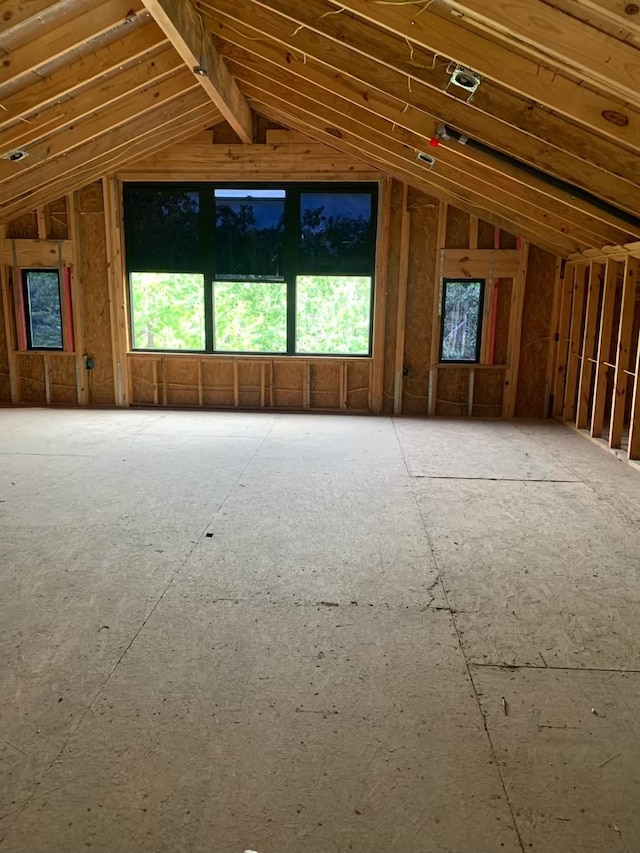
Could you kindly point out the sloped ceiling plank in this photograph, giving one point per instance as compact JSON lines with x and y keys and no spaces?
{"x":14,"y":175}
{"x":14,"y":13}
{"x":106,"y":91}
{"x":518,"y":73}
{"x":394,"y":158}
{"x":617,"y":17}
{"x":382,"y":61}
{"x":175,"y":131}
{"x":60,"y":84}
{"x":60,"y":40}
{"x":331,"y":88}
{"x":56,"y":167}
{"x":540,"y":29}
{"x":185,"y":29}
{"x":542,"y":236}
{"x":471,"y":168}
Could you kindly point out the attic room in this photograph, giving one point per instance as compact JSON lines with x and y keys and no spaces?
{"x":320,"y":426}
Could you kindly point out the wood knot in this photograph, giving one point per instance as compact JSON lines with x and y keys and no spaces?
{"x":619,"y":119}
{"x":631,"y":9}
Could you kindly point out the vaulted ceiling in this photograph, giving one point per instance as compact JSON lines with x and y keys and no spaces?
{"x":552,"y":131}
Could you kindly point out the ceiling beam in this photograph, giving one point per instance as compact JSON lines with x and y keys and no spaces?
{"x":64,"y":81}
{"x":381,"y":113}
{"x":185,"y":29}
{"x":180,"y":128}
{"x":542,"y":30}
{"x":108,"y":90}
{"x":17,"y":12}
{"x":621,"y":14}
{"x":373,"y":60}
{"x":114,"y":147}
{"x":289,"y":116}
{"x":56,"y":41}
{"x":523,"y":75}
{"x":58,"y":155}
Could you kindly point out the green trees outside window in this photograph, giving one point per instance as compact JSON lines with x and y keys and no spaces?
{"x":43,"y":310}
{"x":461,"y":320}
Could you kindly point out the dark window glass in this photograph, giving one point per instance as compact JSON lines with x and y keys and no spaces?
{"x":249,"y":233}
{"x":43,"y":311}
{"x":336,"y":233}
{"x":162,"y":229}
{"x":461,"y":320}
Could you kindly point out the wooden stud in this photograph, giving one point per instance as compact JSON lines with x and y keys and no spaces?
{"x":236,"y":385}
{"x":117,"y":299}
{"x":77,"y":301}
{"x":263,"y":368}
{"x":306,"y":384}
{"x":623,"y":355}
{"x":634,"y":426}
{"x":6,"y":262}
{"x":584,"y":400}
{"x":403,"y":277}
{"x":575,"y":341}
{"x":47,"y":380}
{"x":604,"y":347}
{"x":552,"y":349}
{"x":437,"y":309}
{"x":562,"y":343}
{"x":154,"y":379}
{"x":473,"y":232}
{"x":515,"y":334}
{"x":472,"y":380}
{"x":165,"y":384}
{"x":200,"y":385}
{"x":380,"y":299}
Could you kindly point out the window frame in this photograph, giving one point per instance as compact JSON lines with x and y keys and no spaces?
{"x":291,"y":267}
{"x":479,"y":325}
{"x":26,"y":308}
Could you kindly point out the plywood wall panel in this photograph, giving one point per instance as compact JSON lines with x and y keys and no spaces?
{"x":24,"y":227}
{"x":217,"y":382}
{"x":453,"y":392}
{"x":536,"y":330}
{"x":457,"y":233}
{"x":95,"y":283}
{"x":487,"y":395}
{"x":288,"y":385}
{"x":142,"y":380}
{"x":32,"y":379}
{"x":57,"y":220}
{"x":249,"y":384}
{"x":505,"y":286}
{"x":62,"y":380}
{"x":324,"y":391}
{"x":421,"y":296}
{"x":357,"y":391}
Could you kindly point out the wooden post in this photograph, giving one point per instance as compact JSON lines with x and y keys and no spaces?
{"x":623,"y":354}
{"x":575,"y":342}
{"x":117,"y":302}
{"x":437,"y":309}
{"x":380,"y":299}
{"x":562,"y":351}
{"x":604,"y":347}
{"x":515,"y":333}
{"x":594,"y":286}
{"x":5,"y":264}
{"x":403,"y":277}
{"x":77,"y":301}
{"x":552,"y":349}
{"x":634,"y":426}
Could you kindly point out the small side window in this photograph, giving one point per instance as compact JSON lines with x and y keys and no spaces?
{"x":462,"y":303}
{"x":42,"y":308}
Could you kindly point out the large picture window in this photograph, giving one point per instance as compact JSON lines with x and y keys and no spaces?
{"x":462,"y":303}
{"x":285,"y":269}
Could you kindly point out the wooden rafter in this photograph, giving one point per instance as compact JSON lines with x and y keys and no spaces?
{"x":372,"y":60}
{"x":377,"y":111}
{"x":518,"y":73}
{"x":185,"y":30}
{"x":542,"y":31}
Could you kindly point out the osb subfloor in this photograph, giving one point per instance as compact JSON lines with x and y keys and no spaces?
{"x":229,"y":631}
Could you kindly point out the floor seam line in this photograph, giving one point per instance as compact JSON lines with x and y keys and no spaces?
{"x":173,"y":578}
{"x":459,"y":638}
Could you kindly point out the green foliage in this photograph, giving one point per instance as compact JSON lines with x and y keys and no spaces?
{"x":44,"y":309}
{"x":334,"y":243}
{"x":461,"y":320}
{"x":167,"y":310}
{"x":333,"y":314}
{"x":250,"y":316}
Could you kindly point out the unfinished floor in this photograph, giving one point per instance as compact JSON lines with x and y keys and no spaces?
{"x":229,"y":631}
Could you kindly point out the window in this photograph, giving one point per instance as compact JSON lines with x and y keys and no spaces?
{"x":462,"y":303}
{"x":167,"y":311}
{"x":42,"y":308}
{"x":238,"y":269}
